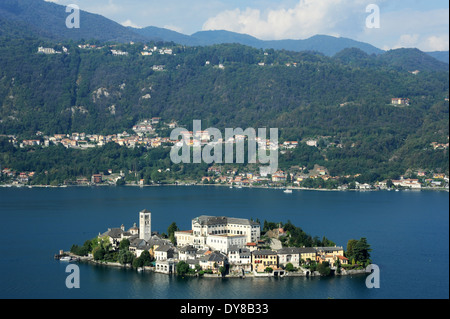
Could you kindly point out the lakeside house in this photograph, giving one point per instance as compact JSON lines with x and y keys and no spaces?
{"x":408,"y":183}
{"x":240,"y":258}
{"x":262,"y":259}
{"x":295,"y":255}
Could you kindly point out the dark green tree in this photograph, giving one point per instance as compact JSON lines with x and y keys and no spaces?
{"x":182,"y":268}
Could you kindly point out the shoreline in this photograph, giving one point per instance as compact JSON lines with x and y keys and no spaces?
{"x":148,"y":269}
{"x":440,"y":189}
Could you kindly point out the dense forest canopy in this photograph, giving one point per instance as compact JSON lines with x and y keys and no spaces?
{"x":342,"y":100}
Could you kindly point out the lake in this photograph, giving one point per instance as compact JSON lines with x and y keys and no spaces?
{"x":408,"y":232}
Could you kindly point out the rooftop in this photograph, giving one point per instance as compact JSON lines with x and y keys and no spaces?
{"x":221,"y":220}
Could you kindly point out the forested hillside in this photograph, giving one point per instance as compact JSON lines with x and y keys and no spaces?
{"x":343,"y":100}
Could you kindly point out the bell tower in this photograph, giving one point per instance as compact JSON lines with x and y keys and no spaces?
{"x":145,"y":225}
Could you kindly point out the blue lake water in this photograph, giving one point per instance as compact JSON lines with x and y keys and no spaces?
{"x":408,"y":232}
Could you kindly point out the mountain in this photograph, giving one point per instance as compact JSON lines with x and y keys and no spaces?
{"x":162,"y":34}
{"x":411,"y":60}
{"x":324,"y":44}
{"x":342,"y":100}
{"x":407,"y":60}
{"x":48,"y":20}
{"x":306,"y":95}
{"x":327,"y":45}
{"x":442,"y":56}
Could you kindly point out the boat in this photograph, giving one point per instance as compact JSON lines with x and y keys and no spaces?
{"x":65,"y":258}
{"x":288,"y":191}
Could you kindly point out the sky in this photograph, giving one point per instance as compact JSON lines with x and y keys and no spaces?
{"x":421,"y":24}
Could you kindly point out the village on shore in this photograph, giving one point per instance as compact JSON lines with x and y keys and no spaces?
{"x":216,"y":246}
{"x":148,"y":133}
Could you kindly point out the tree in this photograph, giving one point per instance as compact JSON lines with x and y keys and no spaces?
{"x":290,"y":267}
{"x":362,"y":250}
{"x":288,"y":178}
{"x":138,"y":262}
{"x":143,"y":260}
{"x":324,"y":268}
{"x":171,"y":232}
{"x":98,"y":253}
{"x":350,"y":246}
{"x":173,"y":239}
{"x":124,"y":244}
{"x":146,"y":258}
{"x":268,"y":270}
{"x":222,"y":270}
{"x":338,"y":266}
{"x":182,"y":268}
{"x":125,"y":256}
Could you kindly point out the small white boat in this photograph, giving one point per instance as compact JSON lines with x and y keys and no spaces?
{"x":288,"y":191}
{"x":65,"y":258}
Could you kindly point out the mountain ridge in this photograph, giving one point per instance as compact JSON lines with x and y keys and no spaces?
{"x":325,"y":44}
{"x":47,"y":20}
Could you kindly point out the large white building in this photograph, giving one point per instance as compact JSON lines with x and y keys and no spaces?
{"x":219,"y":233}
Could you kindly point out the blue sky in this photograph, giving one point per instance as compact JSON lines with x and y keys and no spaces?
{"x":403,"y":23}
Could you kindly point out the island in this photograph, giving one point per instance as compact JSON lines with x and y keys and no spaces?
{"x":219,"y":246}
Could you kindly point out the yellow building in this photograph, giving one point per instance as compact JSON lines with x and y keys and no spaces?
{"x":331,"y":255}
{"x":261,"y":259}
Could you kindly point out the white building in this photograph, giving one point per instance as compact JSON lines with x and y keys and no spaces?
{"x":187,"y":252}
{"x":240,"y":258}
{"x":47,"y":50}
{"x":213,"y":225}
{"x":219,"y":233}
{"x":164,"y":252}
{"x":312,"y":143}
{"x":408,"y":183}
{"x":119,"y":52}
{"x":223,"y":242}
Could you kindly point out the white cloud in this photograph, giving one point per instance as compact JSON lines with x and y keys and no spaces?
{"x":400,"y":26}
{"x":424,"y":43}
{"x":437,"y":43}
{"x":129,"y":23}
{"x":425,"y":30}
{"x":173,"y":28}
{"x":407,"y":41}
{"x":305,"y":19}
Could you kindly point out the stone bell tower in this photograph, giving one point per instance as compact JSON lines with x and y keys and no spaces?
{"x":145,"y":225}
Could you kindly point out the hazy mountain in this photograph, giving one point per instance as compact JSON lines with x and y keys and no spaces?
{"x":442,"y":56}
{"x":161,"y":34}
{"x":48,"y":20}
{"x":327,"y":45}
{"x":399,"y":59}
{"x":24,"y":18}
